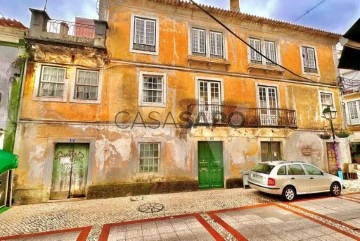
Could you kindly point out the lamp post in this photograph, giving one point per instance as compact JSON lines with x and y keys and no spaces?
{"x":331,"y":115}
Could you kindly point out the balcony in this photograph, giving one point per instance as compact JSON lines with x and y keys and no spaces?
{"x":86,"y":32}
{"x":226,"y":115}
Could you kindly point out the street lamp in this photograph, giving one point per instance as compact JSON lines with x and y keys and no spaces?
{"x":331,"y":115}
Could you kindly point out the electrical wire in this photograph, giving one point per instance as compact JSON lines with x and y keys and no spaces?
{"x":308,"y":11}
{"x":239,"y":38}
{"x":2,"y":15}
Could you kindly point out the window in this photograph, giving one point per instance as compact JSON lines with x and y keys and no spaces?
{"x":295,"y":169}
{"x":87,"y":84}
{"x":326,"y":99}
{"x":265,"y":47}
{"x":52,"y":82}
{"x":145,"y":32}
{"x":309,"y":59}
{"x":152,"y":89}
{"x":149,"y":157}
{"x":282,"y":171}
{"x":209,"y":100}
{"x":216,"y":44}
{"x":207,"y":43}
{"x":268,"y":104}
{"x":198,"y":42}
{"x":263,"y":168}
{"x":353,"y":112}
{"x":312,"y":170}
{"x":270,"y":151}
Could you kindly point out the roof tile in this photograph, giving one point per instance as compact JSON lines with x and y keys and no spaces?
{"x":7,"y":22}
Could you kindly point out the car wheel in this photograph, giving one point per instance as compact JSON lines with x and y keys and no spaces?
{"x":289,"y":193}
{"x":335,"y":189}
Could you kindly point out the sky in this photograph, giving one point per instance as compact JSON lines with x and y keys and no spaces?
{"x":332,"y":15}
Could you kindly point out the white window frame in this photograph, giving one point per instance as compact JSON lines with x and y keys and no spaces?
{"x":73,"y":87}
{"x":159,"y":157}
{"x":207,"y":42}
{"x":141,"y":82}
{"x":156,"y":19}
{"x":316,"y":61}
{"x":38,"y":75}
{"x":348,"y":112}
{"x":262,"y":50}
{"x":320,"y":103}
{"x":268,"y":121}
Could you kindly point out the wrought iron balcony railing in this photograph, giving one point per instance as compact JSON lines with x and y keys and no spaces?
{"x":225,"y":115}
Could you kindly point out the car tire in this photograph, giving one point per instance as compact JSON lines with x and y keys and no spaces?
{"x":335,"y":189}
{"x":289,"y":193}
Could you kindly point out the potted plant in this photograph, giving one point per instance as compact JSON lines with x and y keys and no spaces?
{"x":324,"y":136}
{"x":343,"y":133}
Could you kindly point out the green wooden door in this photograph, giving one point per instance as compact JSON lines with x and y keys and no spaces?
{"x":70,"y":170}
{"x":210,"y":164}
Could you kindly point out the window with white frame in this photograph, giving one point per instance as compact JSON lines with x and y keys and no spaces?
{"x":207,"y":43}
{"x":266,"y":47}
{"x":144,"y":35}
{"x":309,"y":59}
{"x":353,"y":112}
{"x":152,"y":89}
{"x":87,"y":85}
{"x":149,"y":157}
{"x":326,"y":99}
{"x":52,"y":82}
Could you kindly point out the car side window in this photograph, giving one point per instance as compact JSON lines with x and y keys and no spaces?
{"x":312,"y":170}
{"x":282,"y":170}
{"x":295,"y":169}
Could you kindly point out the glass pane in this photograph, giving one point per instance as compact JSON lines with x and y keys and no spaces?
{"x":295,"y":169}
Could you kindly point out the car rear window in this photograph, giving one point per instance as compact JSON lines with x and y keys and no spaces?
{"x":262,"y":168}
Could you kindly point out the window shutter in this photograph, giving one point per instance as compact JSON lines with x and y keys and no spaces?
{"x":202,"y":41}
{"x":195,"y":40}
{"x":213,"y":43}
{"x":311,"y":56}
{"x":139,"y":31}
{"x":252,"y":52}
{"x":219,"y":44}
{"x":258,"y":48}
{"x":272,"y":52}
{"x":305,"y":57}
{"x":150,"y":32}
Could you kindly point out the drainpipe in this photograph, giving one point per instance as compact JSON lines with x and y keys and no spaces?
{"x":22,"y":91}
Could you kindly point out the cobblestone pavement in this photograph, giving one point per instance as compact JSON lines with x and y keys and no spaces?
{"x":77,"y":214}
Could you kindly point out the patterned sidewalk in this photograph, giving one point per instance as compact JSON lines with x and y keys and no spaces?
{"x":244,"y":214}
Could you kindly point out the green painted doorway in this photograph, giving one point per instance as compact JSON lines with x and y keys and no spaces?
{"x":70,"y":170}
{"x":210,"y":164}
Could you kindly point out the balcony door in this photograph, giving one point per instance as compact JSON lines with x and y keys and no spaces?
{"x":209,"y":100}
{"x":268,"y":103}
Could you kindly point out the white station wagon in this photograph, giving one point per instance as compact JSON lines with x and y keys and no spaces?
{"x":289,"y":178}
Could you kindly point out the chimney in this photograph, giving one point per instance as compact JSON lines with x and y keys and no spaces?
{"x":235,"y":5}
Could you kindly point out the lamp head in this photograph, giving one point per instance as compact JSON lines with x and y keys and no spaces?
{"x":329,"y":114}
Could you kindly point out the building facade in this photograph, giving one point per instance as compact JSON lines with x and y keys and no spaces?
{"x":12,"y":61}
{"x":177,"y":103}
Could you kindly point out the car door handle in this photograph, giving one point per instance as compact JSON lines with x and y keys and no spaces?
{"x":293,"y":178}
{"x":311,"y":178}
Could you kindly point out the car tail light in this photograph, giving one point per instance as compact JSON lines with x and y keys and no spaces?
{"x":271,"y":181}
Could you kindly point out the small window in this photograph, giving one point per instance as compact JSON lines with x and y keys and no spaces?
{"x":353,"y":112}
{"x":87,"y":85}
{"x":198,"y":41}
{"x":144,"y":34}
{"x":309,"y":59}
{"x":326,"y":100}
{"x":152,"y":89}
{"x":52,"y":82}
{"x":149,"y":157}
{"x":216,"y":45}
{"x":282,"y":170}
{"x":312,"y":170}
{"x":295,"y":169}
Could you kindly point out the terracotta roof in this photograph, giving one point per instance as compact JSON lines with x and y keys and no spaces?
{"x":7,"y":22}
{"x":250,"y":18}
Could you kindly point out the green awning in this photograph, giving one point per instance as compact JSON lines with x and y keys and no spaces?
{"x":7,"y":161}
